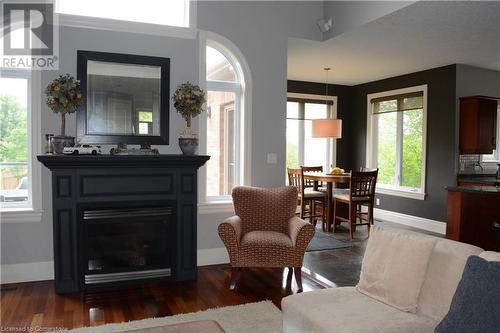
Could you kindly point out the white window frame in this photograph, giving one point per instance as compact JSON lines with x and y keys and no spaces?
{"x":331,"y":145}
{"x":33,"y":212}
{"x":496,"y":156}
{"x":87,"y":22}
{"x":243,"y":90}
{"x":371,"y":154}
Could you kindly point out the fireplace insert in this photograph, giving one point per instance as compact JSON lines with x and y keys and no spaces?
{"x":123,"y":244}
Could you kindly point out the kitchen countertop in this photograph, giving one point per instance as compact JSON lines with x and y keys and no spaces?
{"x":490,"y":190}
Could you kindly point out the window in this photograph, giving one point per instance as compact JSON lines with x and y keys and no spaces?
{"x":18,"y":140}
{"x":301,"y":148}
{"x":495,"y":156}
{"x":224,"y":123}
{"x":145,"y":122}
{"x":396,"y":140}
{"x":171,"y":12}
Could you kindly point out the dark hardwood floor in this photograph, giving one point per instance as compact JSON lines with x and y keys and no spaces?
{"x":35,"y":304}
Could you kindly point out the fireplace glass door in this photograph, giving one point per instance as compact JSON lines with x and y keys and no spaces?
{"x":124,"y":244}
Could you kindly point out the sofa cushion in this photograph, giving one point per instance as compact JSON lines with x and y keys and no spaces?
{"x":443,"y":274}
{"x":394,"y":267}
{"x":345,"y":309}
{"x":490,"y":255}
{"x":476,"y":304}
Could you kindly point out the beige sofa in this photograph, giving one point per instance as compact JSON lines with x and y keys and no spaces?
{"x":348,"y":310}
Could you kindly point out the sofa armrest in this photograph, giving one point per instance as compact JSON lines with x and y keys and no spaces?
{"x":230,"y":231}
{"x":301,"y":234}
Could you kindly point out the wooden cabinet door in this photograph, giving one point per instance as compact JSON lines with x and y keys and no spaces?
{"x":478,"y":118}
{"x":487,"y":120}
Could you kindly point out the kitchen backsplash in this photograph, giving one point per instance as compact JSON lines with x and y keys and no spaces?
{"x":469,"y":164}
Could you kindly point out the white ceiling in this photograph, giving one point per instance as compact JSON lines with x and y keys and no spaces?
{"x":420,"y":36}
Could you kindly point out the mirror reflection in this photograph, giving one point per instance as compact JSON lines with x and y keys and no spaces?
{"x":123,"y":99}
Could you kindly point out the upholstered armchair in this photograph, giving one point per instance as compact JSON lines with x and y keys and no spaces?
{"x":265,"y":231}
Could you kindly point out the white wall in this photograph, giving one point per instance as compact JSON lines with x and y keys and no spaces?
{"x":259,"y":29}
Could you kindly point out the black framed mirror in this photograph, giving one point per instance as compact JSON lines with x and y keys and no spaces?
{"x":126,"y":98}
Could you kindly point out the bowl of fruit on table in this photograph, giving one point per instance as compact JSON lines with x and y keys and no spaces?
{"x":336,"y":171}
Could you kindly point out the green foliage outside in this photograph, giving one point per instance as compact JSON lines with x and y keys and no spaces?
{"x":292,"y":158}
{"x":387,"y":129}
{"x":145,"y":117}
{"x":13,"y":139}
{"x":412,"y":148}
{"x":13,"y":129}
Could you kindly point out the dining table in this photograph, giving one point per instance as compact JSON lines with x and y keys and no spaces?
{"x":330,"y":179}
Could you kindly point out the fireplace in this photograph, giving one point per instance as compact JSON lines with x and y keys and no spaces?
{"x":124,"y":244}
{"x":123,"y":219}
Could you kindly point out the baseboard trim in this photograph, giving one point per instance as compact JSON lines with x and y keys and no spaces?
{"x":410,"y":220}
{"x":27,"y":272}
{"x":39,"y":271}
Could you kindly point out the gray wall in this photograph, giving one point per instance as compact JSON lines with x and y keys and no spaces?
{"x":441,"y":142}
{"x":259,"y":29}
{"x":348,"y":15}
{"x":477,"y":81}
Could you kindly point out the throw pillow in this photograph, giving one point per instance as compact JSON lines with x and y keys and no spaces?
{"x":475,"y":307}
{"x":394,"y":267}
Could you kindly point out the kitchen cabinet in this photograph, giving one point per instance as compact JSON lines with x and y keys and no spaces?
{"x":471,"y":214}
{"x":478,"y":120}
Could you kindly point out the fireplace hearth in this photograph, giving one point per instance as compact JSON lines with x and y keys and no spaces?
{"x":123,"y":219}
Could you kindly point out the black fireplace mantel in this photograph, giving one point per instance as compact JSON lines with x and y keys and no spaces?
{"x":84,"y":181}
{"x":122,"y":161}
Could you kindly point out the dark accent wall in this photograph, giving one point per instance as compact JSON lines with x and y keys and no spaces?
{"x":344,"y":100}
{"x":441,"y":141}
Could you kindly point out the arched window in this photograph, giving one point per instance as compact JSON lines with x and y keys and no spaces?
{"x":225,"y":85}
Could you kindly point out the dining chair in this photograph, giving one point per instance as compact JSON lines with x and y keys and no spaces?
{"x":310,"y":200}
{"x":309,"y":182}
{"x":362,"y":213}
{"x":361,"y":191}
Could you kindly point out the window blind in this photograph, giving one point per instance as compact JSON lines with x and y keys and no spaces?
{"x":398,"y":103}
{"x":312,"y":101}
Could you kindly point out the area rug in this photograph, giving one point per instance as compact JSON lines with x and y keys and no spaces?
{"x":323,"y":241}
{"x":257,"y":317}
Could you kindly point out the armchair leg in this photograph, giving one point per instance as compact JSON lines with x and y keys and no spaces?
{"x":298,"y":278}
{"x":235,"y":272}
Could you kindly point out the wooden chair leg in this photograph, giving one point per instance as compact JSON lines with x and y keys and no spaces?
{"x":298,"y":278}
{"x":302,"y":208}
{"x":370,"y":212}
{"x":235,"y":272}
{"x":352,"y":219}
{"x":312,"y":213}
{"x":323,"y":216}
{"x":334,"y":222}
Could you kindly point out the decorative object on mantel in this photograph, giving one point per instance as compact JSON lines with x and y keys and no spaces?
{"x":327,"y":128}
{"x":47,"y":143}
{"x":63,"y":96}
{"x":145,"y":149}
{"x":189,"y":100}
